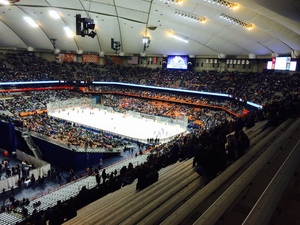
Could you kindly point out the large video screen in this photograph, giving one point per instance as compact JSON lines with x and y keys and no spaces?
{"x":293,"y":66}
{"x":269,"y":65}
{"x":282,"y":63}
{"x":177,"y":62}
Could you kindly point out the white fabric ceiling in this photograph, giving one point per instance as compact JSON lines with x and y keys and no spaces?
{"x":275,"y":31}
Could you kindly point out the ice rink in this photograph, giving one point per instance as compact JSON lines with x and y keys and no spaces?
{"x":119,"y":124}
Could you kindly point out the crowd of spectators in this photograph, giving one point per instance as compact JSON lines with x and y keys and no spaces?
{"x":75,"y":136}
{"x":42,"y":123}
{"x":207,"y":148}
{"x":32,"y":101}
{"x":231,"y":105}
{"x":206,"y":118}
{"x":254,"y":87}
{"x":69,"y":133}
{"x":206,"y":144}
{"x":21,"y":169}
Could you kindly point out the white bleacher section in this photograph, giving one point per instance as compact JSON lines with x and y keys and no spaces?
{"x":257,"y":143}
{"x":264,"y":208}
{"x":10,"y":219}
{"x":41,"y":169}
{"x":123,"y":203}
{"x":214,"y":212}
{"x":67,"y":191}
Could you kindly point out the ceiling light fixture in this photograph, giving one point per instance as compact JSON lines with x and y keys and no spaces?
{"x":115,"y":45}
{"x":236,"y":21}
{"x":68,"y":31}
{"x":92,"y":34}
{"x":172,"y":1}
{"x":224,"y":3}
{"x":179,"y":37}
{"x":190,"y":16}
{"x":84,"y":25}
{"x":146,"y":42}
{"x":4,"y":2}
{"x":54,"y":14}
{"x":30,"y":21}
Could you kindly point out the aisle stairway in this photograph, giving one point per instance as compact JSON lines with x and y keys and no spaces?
{"x":32,"y":146}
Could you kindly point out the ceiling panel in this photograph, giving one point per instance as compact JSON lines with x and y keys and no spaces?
{"x":127,"y":21}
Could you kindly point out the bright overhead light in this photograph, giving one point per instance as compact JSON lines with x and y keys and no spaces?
{"x":235,"y":6}
{"x":68,"y":31}
{"x":172,"y":1}
{"x":4,"y":2}
{"x":30,"y":21}
{"x":146,"y":42}
{"x":146,"y":39}
{"x":179,"y":37}
{"x":190,"y":16}
{"x":224,"y":3}
{"x":54,"y":14}
{"x":236,"y":21}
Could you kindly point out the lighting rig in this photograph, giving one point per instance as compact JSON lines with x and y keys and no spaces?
{"x":172,"y":1}
{"x":8,"y":2}
{"x":236,"y":21}
{"x":146,"y":42}
{"x":115,"y":45}
{"x":84,"y":25}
